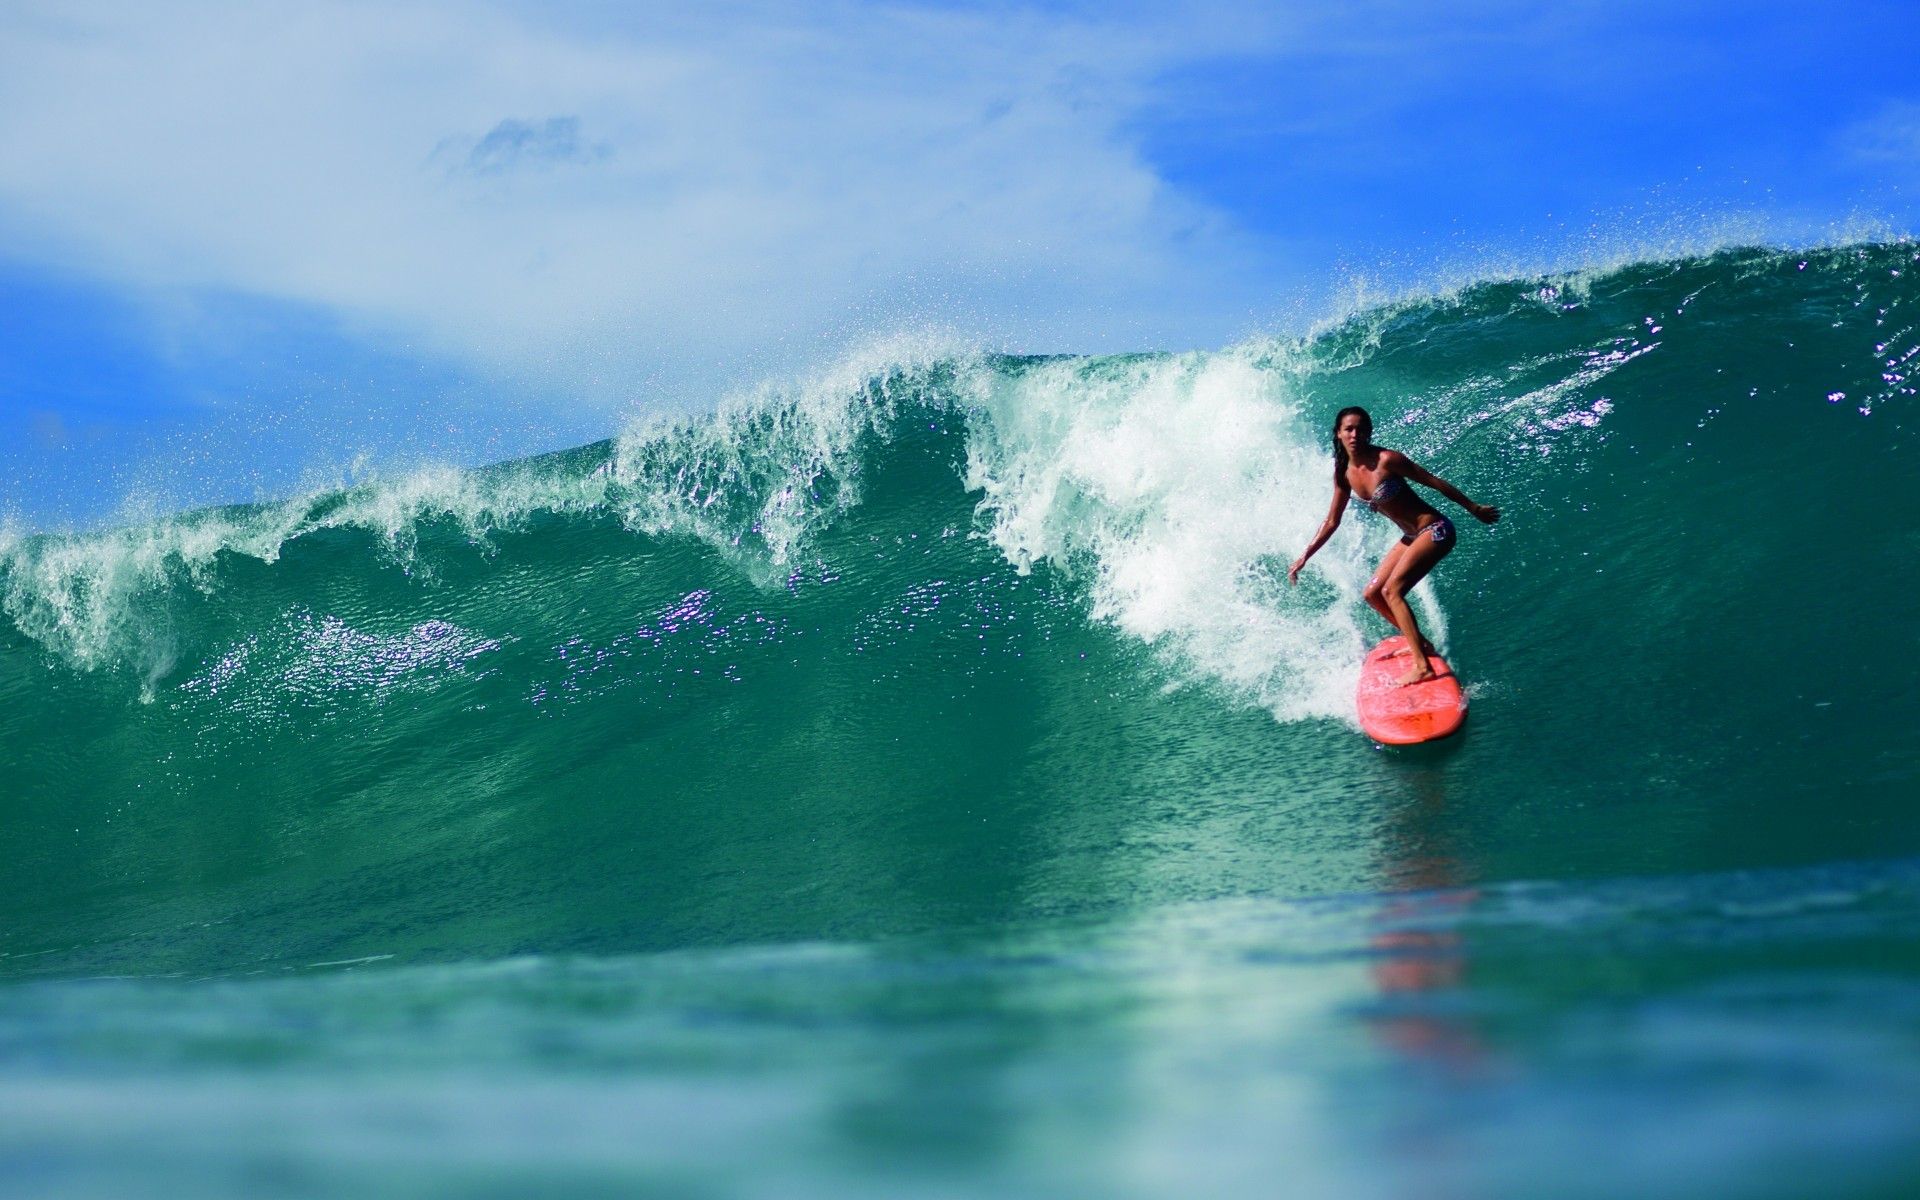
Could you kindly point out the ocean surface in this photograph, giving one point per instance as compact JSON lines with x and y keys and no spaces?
{"x":918,"y":778}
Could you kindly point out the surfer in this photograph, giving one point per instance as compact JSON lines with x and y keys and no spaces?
{"x":1427,"y":537}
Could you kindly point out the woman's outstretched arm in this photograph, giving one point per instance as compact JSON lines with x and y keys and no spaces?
{"x":1485,"y":513}
{"x":1334,"y":513}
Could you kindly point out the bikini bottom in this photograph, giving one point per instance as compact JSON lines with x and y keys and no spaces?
{"x":1441,"y":531}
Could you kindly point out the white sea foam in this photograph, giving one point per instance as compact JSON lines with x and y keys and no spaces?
{"x":772,"y":465}
{"x":1181,"y":487}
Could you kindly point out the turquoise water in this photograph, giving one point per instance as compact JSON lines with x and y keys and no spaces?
{"x":919,"y":775}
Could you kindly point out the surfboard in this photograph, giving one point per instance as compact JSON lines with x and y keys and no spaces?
{"x":1403,"y":716}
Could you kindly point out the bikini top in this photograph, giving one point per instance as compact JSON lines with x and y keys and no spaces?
{"x":1388,"y":488}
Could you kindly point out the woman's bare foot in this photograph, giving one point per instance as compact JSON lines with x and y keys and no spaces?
{"x":1403,"y":651}
{"x":1418,"y":673}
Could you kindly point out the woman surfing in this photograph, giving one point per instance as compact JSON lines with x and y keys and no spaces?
{"x":1382,"y":480}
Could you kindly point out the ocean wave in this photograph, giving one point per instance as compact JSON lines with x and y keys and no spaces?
{"x":938,"y":634}
{"x":1174,"y":486}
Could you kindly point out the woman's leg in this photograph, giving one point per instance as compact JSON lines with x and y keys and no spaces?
{"x":1372,"y":594}
{"x":1410,"y":568}
{"x":1375,"y":594}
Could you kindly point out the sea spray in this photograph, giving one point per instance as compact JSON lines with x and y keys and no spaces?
{"x":1180,"y":486}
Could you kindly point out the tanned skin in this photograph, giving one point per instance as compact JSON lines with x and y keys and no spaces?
{"x":1368,"y":467}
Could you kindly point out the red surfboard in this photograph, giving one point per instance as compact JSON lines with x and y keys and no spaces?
{"x":1419,"y":712}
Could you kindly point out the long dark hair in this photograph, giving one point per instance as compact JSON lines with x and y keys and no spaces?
{"x":1339,"y":451}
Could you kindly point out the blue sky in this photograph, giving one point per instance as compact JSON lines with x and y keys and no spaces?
{"x":244,"y":247}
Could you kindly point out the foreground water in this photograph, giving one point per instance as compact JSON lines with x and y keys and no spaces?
{"x":1750,"y":1034}
{"x":923,"y":777}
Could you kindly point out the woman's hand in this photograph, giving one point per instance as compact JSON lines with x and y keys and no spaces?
{"x":1486,"y":514}
{"x":1293,"y":572}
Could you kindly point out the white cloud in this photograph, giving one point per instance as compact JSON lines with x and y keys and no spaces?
{"x":566,"y":200}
